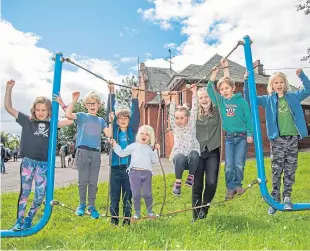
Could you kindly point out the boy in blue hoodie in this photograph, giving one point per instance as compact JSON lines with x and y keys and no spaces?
{"x":286,"y":125}
{"x":125,"y":127}
{"x":237,"y":124}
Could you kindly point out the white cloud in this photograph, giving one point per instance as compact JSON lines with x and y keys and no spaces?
{"x":121,"y":34}
{"x":170,"y":45}
{"x":32,"y":68}
{"x":131,"y":31}
{"x":278,"y":42}
{"x":128,"y":59}
{"x":148,"y":54}
{"x":159,"y":62}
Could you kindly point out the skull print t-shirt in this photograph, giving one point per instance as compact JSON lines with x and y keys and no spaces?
{"x":34,"y":137}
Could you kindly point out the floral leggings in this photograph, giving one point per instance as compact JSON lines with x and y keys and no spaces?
{"x":31,"y":170}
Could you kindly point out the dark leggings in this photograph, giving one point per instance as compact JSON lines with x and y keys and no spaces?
{"x":182,"y":162}
{"x":208,"y":169}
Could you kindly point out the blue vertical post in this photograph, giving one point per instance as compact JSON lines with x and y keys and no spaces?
{"x":51,"y":160}
{"x":258,"y":135}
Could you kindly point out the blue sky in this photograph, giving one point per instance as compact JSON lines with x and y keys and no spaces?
{"x":92,"y":32}
{"x":92,"y":28}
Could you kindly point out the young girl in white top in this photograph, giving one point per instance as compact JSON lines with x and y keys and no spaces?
{"x":140,"y":168}
{"x":186,"y":149}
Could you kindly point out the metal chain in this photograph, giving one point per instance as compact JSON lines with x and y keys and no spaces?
{"x":98,"y":76}
{"x":287,"y":68}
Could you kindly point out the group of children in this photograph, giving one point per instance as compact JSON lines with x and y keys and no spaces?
{"x":135,"y":150}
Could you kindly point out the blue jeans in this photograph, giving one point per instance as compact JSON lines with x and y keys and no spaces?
{"x":2,"y":166}
{"x":235,"y":155}
{"x":119,"y":184}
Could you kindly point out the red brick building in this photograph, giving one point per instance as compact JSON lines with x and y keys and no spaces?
{"x":157,"y":79}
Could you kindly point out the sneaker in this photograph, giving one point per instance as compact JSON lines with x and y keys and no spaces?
{"x":272,"y":210}
{"x":18,"y":225}
{"x":230,"y":194}
{"x":203,"y":213}
{"x":135,"y":218}
{"x":126,"y":222}
{"x":190,"y":180}
{"x":177,"y":188}
{"x":93,"y":212}
{"x":288,"y":205}
{"x":27,"y":223}
{"x":80,"y":211}
{"x":239,"y":190}
{"x":151,"y":215}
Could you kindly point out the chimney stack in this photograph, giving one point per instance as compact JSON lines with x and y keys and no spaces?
{"x":258,"y":67}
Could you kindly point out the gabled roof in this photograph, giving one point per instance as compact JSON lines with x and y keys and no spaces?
{"x":236,"y":70}
{"x":154,"y":101}
{"x":191,"y":70}
{"x":158,"y":78}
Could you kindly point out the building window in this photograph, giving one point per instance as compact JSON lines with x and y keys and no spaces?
{"x":307,"y":112}
{"x":180,"y":98}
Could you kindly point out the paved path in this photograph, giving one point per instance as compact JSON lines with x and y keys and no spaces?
{"x":10,"y":182}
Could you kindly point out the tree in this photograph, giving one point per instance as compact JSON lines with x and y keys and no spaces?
{"x":4,"y":138}
{"x":10,"y":140}
{"x":123,"y":95}
{"x":306,"y":8}
{"x":68,"y":133}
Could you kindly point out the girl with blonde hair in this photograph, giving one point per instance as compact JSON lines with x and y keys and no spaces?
{"x":140,"y":168}
{"x":285,"y":124}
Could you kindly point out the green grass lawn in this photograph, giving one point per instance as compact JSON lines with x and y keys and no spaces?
{"x":239,"y":224}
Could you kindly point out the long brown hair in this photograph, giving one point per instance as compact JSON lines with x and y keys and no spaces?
{"x":201,"y":113}
{"x":41,"y":100}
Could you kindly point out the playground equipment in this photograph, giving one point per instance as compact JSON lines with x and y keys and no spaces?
{"x":59,"y":59}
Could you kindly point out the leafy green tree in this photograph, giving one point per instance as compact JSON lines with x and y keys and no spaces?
{"x":4,"y":138}
{"x":10,"y":140}
{"x":123,"y":95}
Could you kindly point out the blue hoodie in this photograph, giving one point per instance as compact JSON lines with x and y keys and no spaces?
{"x":270,"y":103}
{"x":131,"y":130}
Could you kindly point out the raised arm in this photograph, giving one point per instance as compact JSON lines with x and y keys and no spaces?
{"x":59,"y":100}
{"x":305,"y":92}
{"x":224,"y":64}
{"x":135,"y":111}
{"x":111,"y":100}
{"x":69,"y":112}
{"x":261,"y":100}
{"x":172,"y":109}
{"x":213,"y":94}
{"x":194,"y":109}
{"x":8,"y":99}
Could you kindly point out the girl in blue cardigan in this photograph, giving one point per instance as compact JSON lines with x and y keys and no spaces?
{"x":285,"y":123}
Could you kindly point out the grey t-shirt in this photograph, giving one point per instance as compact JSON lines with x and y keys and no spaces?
{"x":34,"y":138}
